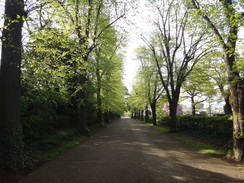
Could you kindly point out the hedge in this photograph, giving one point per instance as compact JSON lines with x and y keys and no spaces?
{"x":216,"y":130}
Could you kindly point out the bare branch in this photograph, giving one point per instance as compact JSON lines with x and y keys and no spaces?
{"x":33,"y":8}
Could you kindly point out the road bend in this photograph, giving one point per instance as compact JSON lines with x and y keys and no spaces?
{"x":128,"y":151}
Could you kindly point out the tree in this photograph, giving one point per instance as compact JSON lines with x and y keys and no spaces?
{"x":46,"y":81}
{"x":87,"y":21}
{"x":219,"y":77}
{"x":11,"y":143}
{"x":198,"y":85}
{"x":137,"y":99}
{"x":226,"y":34}
{"x":176,"y":49}
{"x":149,"y":80}
{"x":107,"y":62}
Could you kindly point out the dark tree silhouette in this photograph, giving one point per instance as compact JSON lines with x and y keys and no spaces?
{"x":12,"y":147}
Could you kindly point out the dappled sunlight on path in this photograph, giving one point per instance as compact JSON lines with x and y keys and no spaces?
{"x":129,"y":151}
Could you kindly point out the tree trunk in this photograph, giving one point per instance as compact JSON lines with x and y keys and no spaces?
{"x":11,"y":136}
{"x":154,"y":115}
{"x":237,"y":93}
{"x":142,"y":115}
{"x":99,"y":116}
{"x":172,"y":125}
{"x":137,"y":116}
{"x":236,"y":83}
{"x":81,"y":124}
{"x":172,"y":115}
{"x":193,"y":107}
{"x":146,"y":114}
{"x":99,"y":101}
{"x":227,"y":107}
{"x":134,"y":115}
{"x":106,"y":117}
{"x":237,"y":104}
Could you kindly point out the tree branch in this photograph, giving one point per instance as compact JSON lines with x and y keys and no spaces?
{"x":196,"y":6}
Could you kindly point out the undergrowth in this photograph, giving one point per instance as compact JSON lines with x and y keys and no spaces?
{"x":54,"y":152}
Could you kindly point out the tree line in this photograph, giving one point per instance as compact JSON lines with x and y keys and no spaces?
{"x":193,"y":51}
{"x":61,"y":67}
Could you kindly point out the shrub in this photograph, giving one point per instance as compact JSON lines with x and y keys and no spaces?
{"x":49,"y":140}
{"x":163,"y":120}
{"x":214,"y":129}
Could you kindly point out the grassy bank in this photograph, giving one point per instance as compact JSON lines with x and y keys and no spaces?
{"x":193,"y":142}
{"x":57,"y":150}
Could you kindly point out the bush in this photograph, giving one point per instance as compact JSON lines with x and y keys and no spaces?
{"x":217,"y":130}
{"x":163,"y":120}
{"x":49,"y":140}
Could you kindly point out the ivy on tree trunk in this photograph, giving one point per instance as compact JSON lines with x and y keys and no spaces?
{"x":12,"y":146}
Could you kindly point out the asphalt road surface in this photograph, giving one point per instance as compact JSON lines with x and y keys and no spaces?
{"x":128,"y":151}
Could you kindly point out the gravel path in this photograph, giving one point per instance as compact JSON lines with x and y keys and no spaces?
{"x":128,"y":151}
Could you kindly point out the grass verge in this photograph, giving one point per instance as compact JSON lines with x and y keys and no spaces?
{"x":66,"y":144}
{"x":191,"y":141}
{"x":241,"y":167}
{"x":54,"y":152}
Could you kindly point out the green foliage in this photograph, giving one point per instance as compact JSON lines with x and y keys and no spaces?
{"x":47,"y":89}
{"x":164,"y":120}
{"x":147,"y":90}
{"x":58,"y":68}
{"x":162,"y":129}
{"x":10,"y":148}
{"x":54,"y":152}
{"x":50,"y":139}
{"x":197,"y":144}
{"x":198,"y":85}
{"x":106,"y":74}
{"x":241,"y":167}
{"x":217,"y":130}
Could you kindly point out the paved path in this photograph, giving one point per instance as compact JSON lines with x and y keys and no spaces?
{"x":128,"y":151}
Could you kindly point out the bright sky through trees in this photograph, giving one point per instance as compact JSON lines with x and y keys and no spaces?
{"x":141,"y":25}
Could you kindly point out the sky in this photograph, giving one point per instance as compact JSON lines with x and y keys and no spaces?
{"x":141,"y":25}
{"x":131,"y":64}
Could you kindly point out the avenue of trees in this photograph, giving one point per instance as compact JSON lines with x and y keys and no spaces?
{"x":193,"y":53}
{"x":61,"y":68}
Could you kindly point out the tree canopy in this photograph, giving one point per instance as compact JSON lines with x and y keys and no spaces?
{"x":71,"y":72}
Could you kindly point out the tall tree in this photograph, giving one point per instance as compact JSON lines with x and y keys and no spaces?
{"x":225,"y":23}
{"x":87,"y":21}
{"x":218,"y":74}
{"x":148,"y":73}
{"x":138,"y":98}
{"x":47,"y":78}
{"x":11,"y":138}
{"x":175,"y":48}
{"x":106,"y":61}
